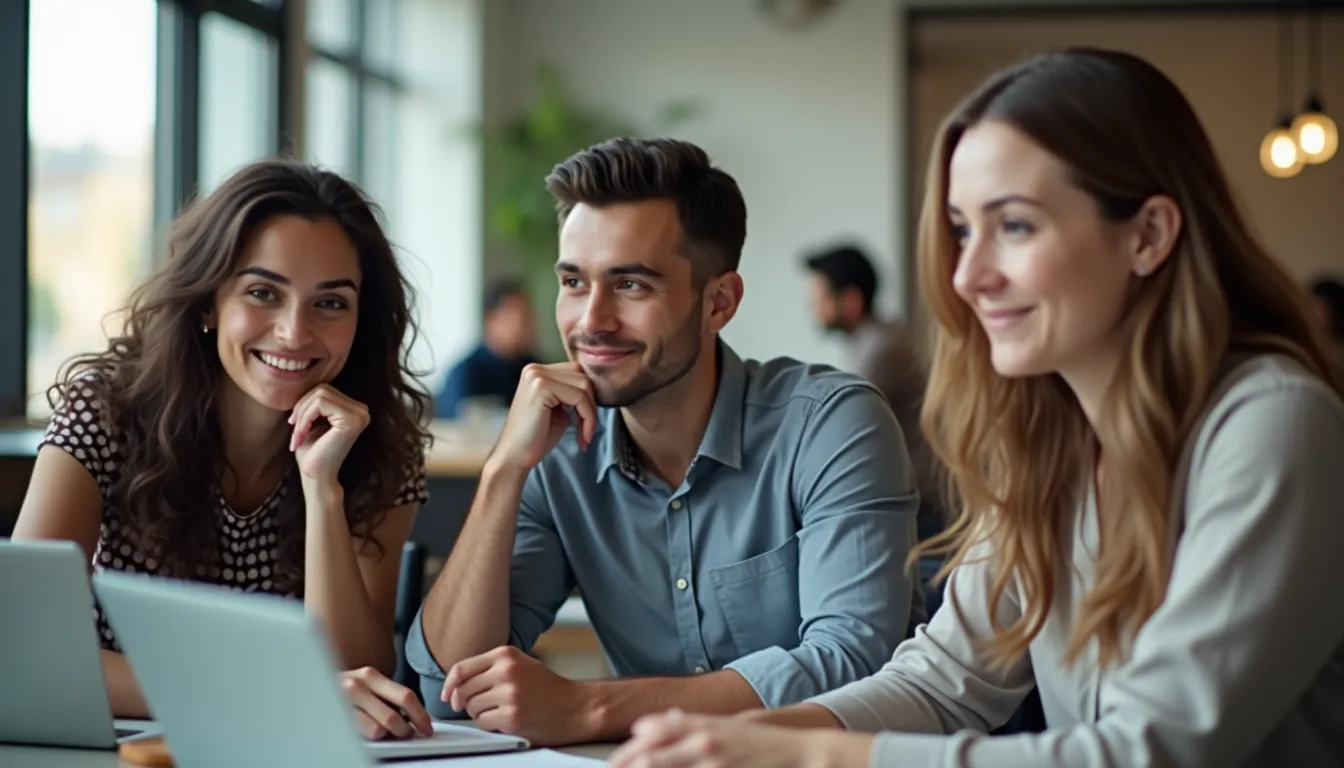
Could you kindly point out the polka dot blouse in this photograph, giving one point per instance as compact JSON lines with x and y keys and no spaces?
{"x":247,"y":541}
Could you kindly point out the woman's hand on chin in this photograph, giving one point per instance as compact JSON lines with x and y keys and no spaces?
{"x":326,"y":424}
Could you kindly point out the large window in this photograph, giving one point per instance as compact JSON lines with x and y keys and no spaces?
{"x":354,"y":92}
{"x":91,"y":170}
{"x":129,"y":108}
{"x":391,"y":87}
{"x":115,"y":113}
{"x":240,"y":72}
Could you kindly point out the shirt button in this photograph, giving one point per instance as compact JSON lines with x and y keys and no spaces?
{"x":676,"y":504}
{"x":699,"y":670}
{"x":681,"y":584}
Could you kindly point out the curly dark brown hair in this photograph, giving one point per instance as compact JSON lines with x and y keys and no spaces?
{"x":158,"y":380}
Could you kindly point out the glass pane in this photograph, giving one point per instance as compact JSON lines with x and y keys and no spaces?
{"x":381,"y":108}
{"x":383,"y":35}
{"x":239,"y":75}
{"x":90,"y":195}
{"x":330,"y":116}
{"x":331,"y":24}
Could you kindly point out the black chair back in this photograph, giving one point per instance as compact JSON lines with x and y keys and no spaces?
{"x":410,"y":592}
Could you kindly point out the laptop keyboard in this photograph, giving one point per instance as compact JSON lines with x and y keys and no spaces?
{"x":124,"y":732}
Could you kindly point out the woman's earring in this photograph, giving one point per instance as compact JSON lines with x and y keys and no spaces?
{"x":1142,"y":270}
{"x":205,"y":328}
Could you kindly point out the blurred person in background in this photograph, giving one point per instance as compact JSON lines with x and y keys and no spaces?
{"x":843,"y":287}
{"x":1327,"y":296}
{"x":508,"y":344}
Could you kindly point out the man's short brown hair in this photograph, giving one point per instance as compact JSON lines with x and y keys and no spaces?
{"x":710,"y":208}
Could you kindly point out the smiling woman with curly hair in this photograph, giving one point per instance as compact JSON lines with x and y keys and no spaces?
{"x":255,"y":424}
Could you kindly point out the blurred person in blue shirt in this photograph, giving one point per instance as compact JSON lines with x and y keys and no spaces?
{"x":492,"y":369}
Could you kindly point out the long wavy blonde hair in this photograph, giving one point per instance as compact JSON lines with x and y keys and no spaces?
{"x":1020,"y":453}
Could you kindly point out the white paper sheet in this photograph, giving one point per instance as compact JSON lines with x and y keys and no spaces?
{"x":448,"y":739}
{"x":533,"y":758}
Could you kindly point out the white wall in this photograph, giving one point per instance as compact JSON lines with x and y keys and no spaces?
{"x":808,"y":123}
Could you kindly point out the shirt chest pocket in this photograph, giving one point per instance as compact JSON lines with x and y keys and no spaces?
{"x":759,"y":598}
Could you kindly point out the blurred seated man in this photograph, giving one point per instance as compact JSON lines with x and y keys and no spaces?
{"x":1328,"y":298}
{"x":493,"y":368}
{"x":843,"y":287}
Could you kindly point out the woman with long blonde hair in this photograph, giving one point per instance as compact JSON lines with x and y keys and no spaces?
{"x":1145,"y":436}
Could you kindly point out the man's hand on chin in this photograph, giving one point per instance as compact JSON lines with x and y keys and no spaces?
{"x":506,"y":690}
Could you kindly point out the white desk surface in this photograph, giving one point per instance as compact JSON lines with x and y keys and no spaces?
{"x":41,"y":757}
{"x":13,"y":756}
{"x":44,"y":757}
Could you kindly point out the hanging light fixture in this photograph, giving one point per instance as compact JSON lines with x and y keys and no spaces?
{"x":1314,"y":133}
{"x":1279,"y":154}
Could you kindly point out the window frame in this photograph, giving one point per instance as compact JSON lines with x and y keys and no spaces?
{"x":178,"y":107}
{"x":356,"y":64}
{"x":14,"y":20}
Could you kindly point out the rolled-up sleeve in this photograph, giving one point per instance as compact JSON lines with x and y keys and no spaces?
{"x":539,"y":581}
{"x":855,"y":491}
{"x":431,"y":675}
{"x":1250,"y":621}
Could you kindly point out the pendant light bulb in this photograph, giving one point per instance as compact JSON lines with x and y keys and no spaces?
{"x":1315,"y":134}
{"x":1279,"y":155}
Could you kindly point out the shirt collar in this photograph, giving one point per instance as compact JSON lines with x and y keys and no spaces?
{"x":723,"y":436}
{"x":615,"y":447}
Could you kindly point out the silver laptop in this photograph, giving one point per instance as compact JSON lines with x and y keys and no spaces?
{"x":52,"y":691}
{"x":247,"y":679}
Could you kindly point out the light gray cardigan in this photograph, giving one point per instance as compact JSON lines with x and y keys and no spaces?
{"x":1243,"y":664}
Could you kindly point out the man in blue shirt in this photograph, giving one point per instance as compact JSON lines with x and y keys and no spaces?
{"x":738,"y":530}
{"x":490,"y":372}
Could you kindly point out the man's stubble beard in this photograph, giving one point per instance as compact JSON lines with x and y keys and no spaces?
{"x":672,"y":361}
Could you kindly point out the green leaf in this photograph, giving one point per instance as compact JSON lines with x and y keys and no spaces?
{"x":521,"y":151}
{"x":680,"y":112}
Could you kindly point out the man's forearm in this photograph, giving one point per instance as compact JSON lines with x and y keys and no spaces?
{"x":612,"y":706}
{"x":467,"y":610}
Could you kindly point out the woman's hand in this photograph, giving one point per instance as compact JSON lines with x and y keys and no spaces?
{"x":326,"y":424}
{"x":677,"y":739}
{"x":384,"y":708}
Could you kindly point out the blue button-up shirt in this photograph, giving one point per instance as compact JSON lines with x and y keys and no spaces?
{"x":780,"y":556}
